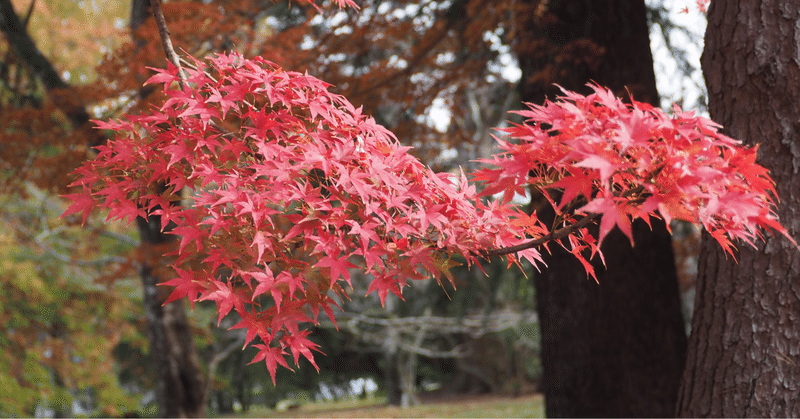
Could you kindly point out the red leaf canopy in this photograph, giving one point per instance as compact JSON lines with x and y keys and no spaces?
{"x":277,"y":188}
{"x":284,"y":187}
{"x":619,"y":161}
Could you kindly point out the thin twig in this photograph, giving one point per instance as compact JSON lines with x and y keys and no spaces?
{"x":169,"y":51}
{"x":80,"y":262}
{"x":119,"y":237}
{"x":166,"y":42}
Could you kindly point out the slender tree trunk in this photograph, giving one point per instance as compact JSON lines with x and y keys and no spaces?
{"x":180,"y":387}
{"x":614,"y":348}
{"x":744,"y":350}
{"x":393,"y":371}
{"x":394,"y":390}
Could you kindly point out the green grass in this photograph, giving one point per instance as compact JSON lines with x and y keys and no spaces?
{"x":529,"y":406}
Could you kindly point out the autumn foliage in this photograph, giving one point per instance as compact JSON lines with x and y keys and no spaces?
{"x":278,"y":187}
{"x":288,"y":185}
{"x":597,"y":155}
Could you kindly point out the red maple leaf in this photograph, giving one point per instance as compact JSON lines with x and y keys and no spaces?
{"x":299,"y":344}
{"x":611,"y":216}
{"x":383,"y":284}
{"x":272,"y":356}
{"x":185,"y":285}
{"x":339,"y":266}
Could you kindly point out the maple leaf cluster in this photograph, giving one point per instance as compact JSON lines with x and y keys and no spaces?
{"x":598,"y":156}
{"x":276,"y":188}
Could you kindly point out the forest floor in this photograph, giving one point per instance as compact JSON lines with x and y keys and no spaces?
{"x":484,"y":406}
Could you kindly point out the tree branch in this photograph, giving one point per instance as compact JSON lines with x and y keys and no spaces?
{"x":566,"y":231}
{"x":166,"y":41}
{"x":99,"y":262}
{"x":219,"y":355}
{"x":553,"y":235}
{"x":25,"y":48}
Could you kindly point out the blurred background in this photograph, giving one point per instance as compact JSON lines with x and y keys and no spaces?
{"x":78,"y":319}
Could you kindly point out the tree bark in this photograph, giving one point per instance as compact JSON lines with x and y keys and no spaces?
{"x":745,"y":346}
{"x":614,"y":348}
{"x":180,"y":388}
{"x":394,"y":389}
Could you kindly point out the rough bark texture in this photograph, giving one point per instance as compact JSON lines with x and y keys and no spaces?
{"x":617,"y":348}
{"x":744,"y":350}
{"x":180,"y":386}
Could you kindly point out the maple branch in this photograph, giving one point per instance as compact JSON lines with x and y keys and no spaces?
{"x":559,"y":234}
{"x":213,"y":124}
{"x":553,"y":235}
{"x":166,"y":42}
{"x":61,"y":257}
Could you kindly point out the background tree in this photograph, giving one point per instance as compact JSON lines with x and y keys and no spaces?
{"x":63,"y":316}
{"x":38,"y":133}
{"x":61,"y":320}
{"x":181,"y":388}
{"x":614,"y":348}
{"x":743,"y":349}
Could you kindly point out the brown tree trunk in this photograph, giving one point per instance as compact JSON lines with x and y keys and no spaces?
{"x":180,"y":388}
{"x":617,"y":348}
{"x":744,"y":350}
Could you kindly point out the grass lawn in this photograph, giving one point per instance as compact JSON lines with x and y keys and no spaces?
{"x":528,"y":406}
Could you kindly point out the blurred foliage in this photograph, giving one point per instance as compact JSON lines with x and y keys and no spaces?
{"x":58,"y":326}
{"x":74,"y":35}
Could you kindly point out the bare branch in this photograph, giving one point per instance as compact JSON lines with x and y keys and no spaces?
{"x":219,"y":355}
{"x":119,"y":237}
{"x":166,"y":41}
{"x":79,"y":262}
